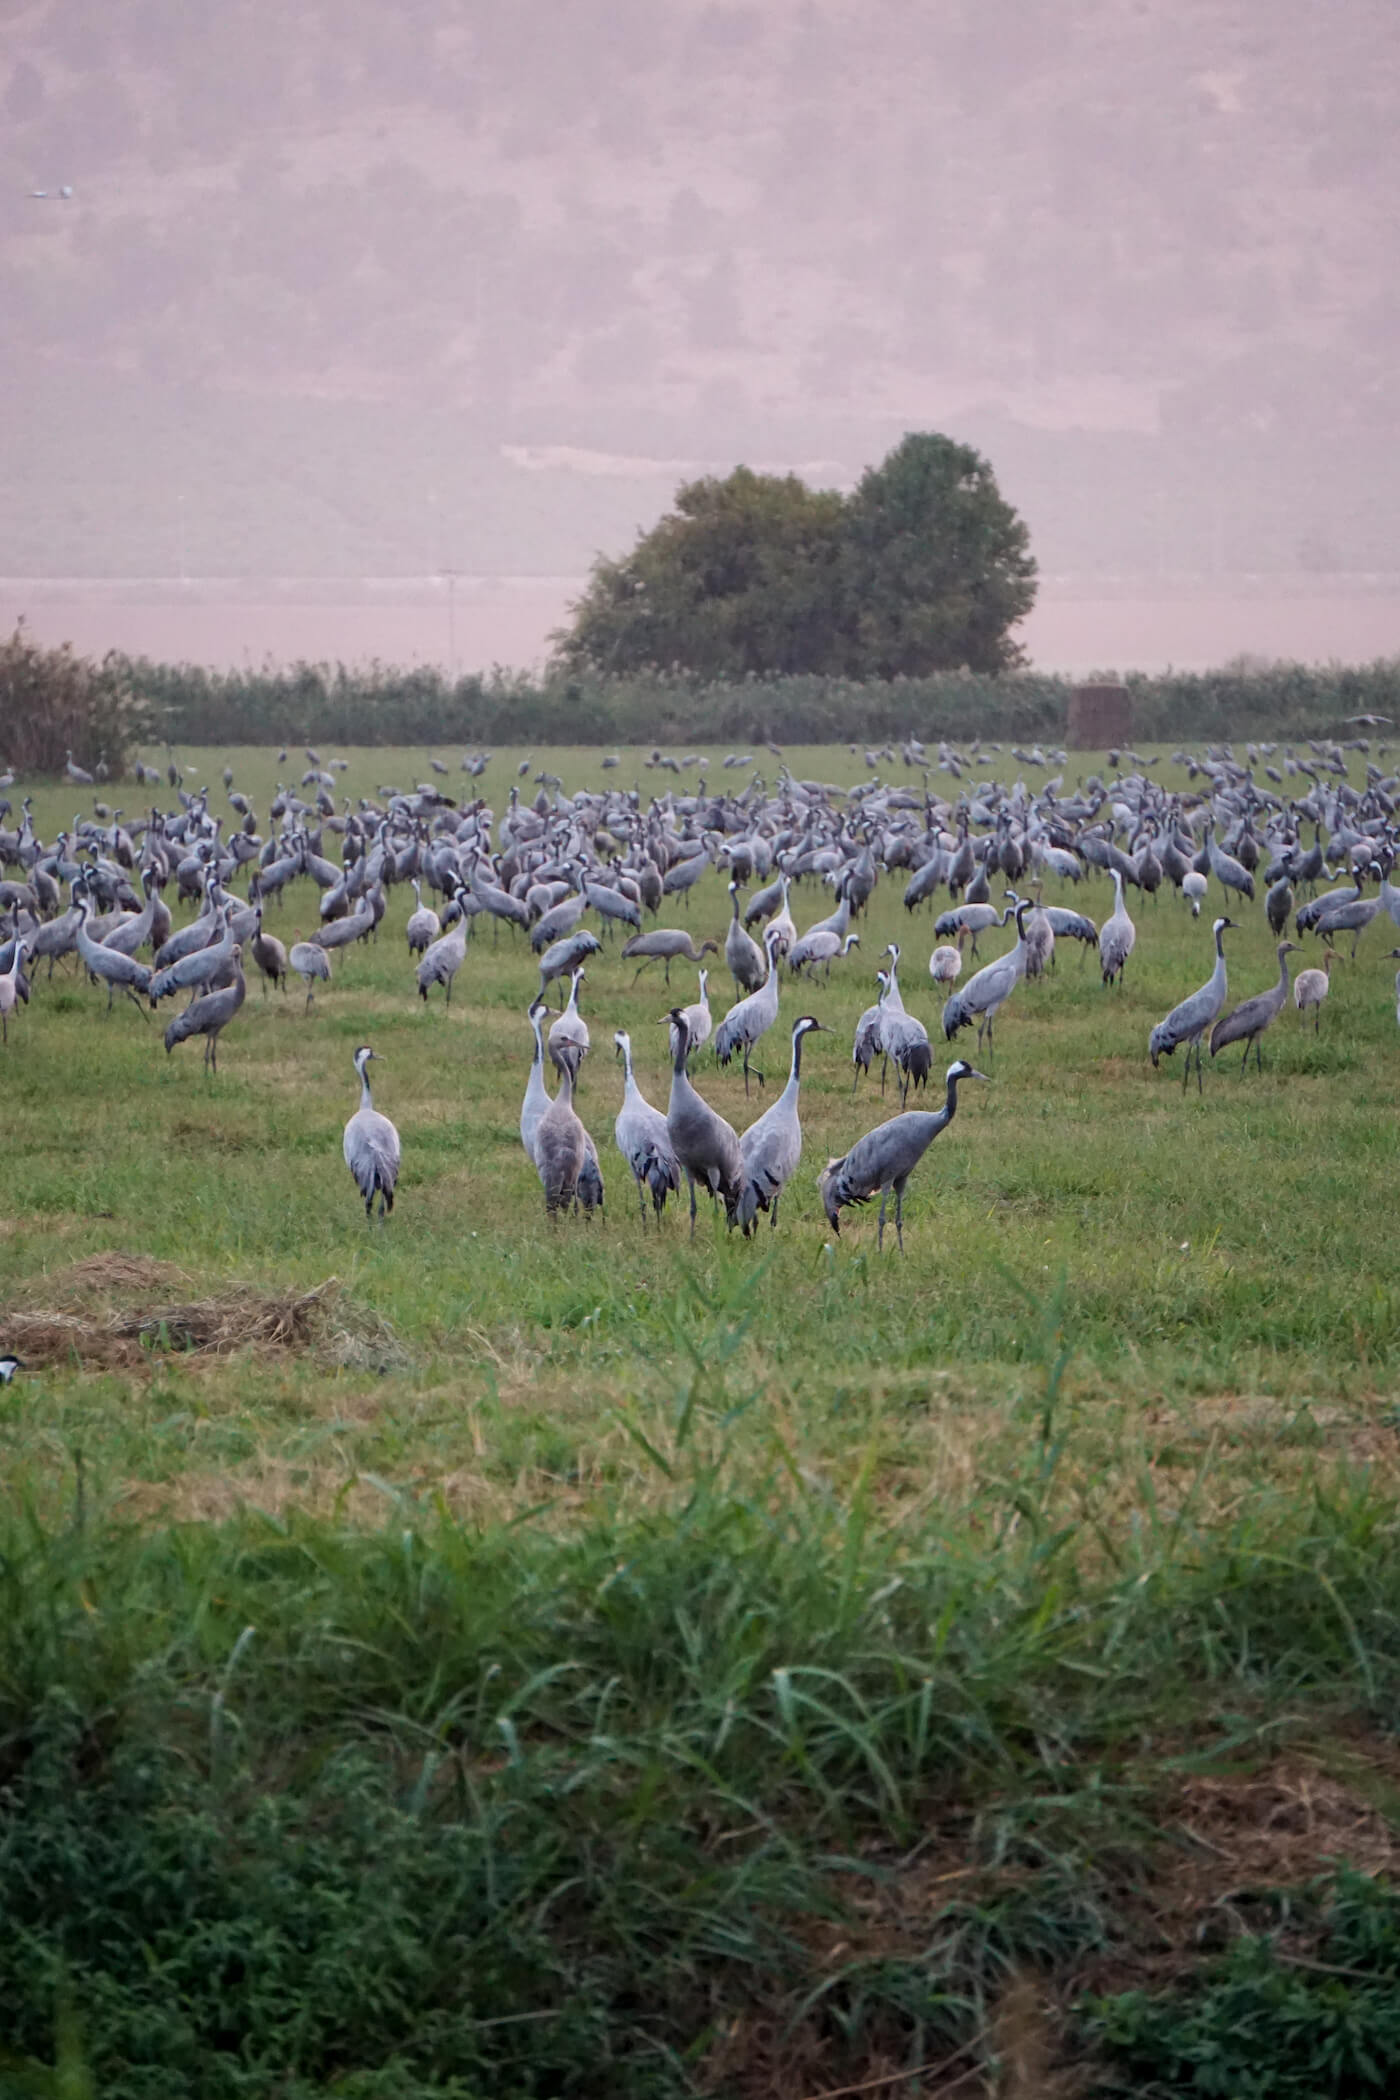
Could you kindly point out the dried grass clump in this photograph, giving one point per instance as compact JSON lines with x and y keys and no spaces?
{"x":124,"y":1333}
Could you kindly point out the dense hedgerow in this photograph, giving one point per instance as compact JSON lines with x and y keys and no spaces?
{"x":379,"y":704}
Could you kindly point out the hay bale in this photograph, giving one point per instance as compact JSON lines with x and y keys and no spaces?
{"x":1099,"y":716}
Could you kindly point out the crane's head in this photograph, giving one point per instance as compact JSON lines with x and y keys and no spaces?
{"x":622,"y":1042}
{"x":1221,"y":924}
{"x":807,"y":1024}
{"x":8,"y":1366}
{"x":362,"y":1058}
{"x":961,"y":1069}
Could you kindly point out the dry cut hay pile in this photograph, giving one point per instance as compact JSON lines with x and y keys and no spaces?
{"x":115,"y":1311}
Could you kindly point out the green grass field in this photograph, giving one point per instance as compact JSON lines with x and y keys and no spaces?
{"x":770,"y":1664}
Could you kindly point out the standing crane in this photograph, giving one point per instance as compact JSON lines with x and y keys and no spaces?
{"x":371,"y":1144}
{"x":1116,"y":935}
{"x":643,"y":1139}
{"x":747,"y":1022}
{"x":983,"y":996}
{"x":771,"y":1148}
{"x":741,"y":950}
{"x":1188,"y":1022}
{"x":706,"y":1146}
{"x":886,"y":1156}
{"x":1247,"y":1022}
{"x":210,"y":1014}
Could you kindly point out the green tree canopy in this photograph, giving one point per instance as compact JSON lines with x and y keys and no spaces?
{"x":924,"y":567}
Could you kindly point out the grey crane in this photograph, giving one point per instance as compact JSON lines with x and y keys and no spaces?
{"x":866,"y":1046}
{"x":1351,"y":918}
{"x":10,"y":981}
{"x":311,"y":964}
{"x":557,"y":921}
{"x":564,"y":956}
{"x":210,"y":1014}
{"x":536,"y":1101}
{"x":886,"y":1156}
{"x":424,"y":925}
{"x":442,"y":960}
{"x":1116,"y":935}
{"x":193,"y":973}
{"x":822,"y":947}
{"x":706,"y":1146}
{"x":983,"y":996}
{"x":1230,"y":873}
{"x":1188,"y":1022}
{"x":1278,"y":904}
{"x":108,"y":965}
{"x":371,"y":1144}
{"x":697,"y":1017}
{"x":643,"y":1139}
{"x":903,"y":1037}
{"x":666,"y":944}
{"x":1246,"y":1022}
{"x":749,"y":1020}
{"x":568,"y":1035}
{"x":771,"y":1148}
{"x":561,"y":1146}
{"x":741,"y":950}
{"x":77,"y":775}
{"x":269,"y":954}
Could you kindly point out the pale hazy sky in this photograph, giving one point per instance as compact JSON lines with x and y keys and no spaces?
{"x":380,"y":291}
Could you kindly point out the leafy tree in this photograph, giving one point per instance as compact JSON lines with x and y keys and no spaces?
{"x":743,"y":575}
{"x":924,"y":567}
{"x":938,"y":565}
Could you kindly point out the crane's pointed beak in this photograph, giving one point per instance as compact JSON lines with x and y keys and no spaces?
{"x":980,"y":1075}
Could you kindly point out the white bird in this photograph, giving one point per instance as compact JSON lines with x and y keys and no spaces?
{"x":643,"y":1139}
{"x":1310,"y":988}
{"x":1193,"y":885}
{"x":945,"y":963}
{"x":371,"y":1144}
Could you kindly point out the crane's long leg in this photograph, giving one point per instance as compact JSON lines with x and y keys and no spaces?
{"x":691,"y":1179}
{"x":1248,"y":1046}
{"x":642,"y":1199}
{"x":899,"y":1214}
{"x":773,"y":1216}
{"x":1200,"y":1084}
{"x":880,"y":1235}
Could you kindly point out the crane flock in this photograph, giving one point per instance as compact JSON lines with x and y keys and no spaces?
{"x":544,"y":864}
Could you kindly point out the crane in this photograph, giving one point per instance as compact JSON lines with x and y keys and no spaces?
{"x":886,"y":1156}
{"x":643,"y":1139}
{"x":1247,"y":1022}
{"x":1188,"y":1022}
{"x":706,"y":1146}
{"x":371,"y":1143}
{"x":771,"y":1148}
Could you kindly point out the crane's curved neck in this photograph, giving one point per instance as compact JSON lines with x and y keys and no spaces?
{"x":796,"y":1073}
{"x":626,"y":1049}
{"x":366,"y":1100}
{"x":1220,"y":943}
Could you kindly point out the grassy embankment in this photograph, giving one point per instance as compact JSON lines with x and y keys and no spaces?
{"x":750,"y":1659}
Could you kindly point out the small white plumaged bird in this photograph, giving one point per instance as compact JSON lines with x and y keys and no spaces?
{"x":1193,"y":885}
{"x":945,"y":963}
{"x":1310,"y":988}
{"x":371,"y":1144}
